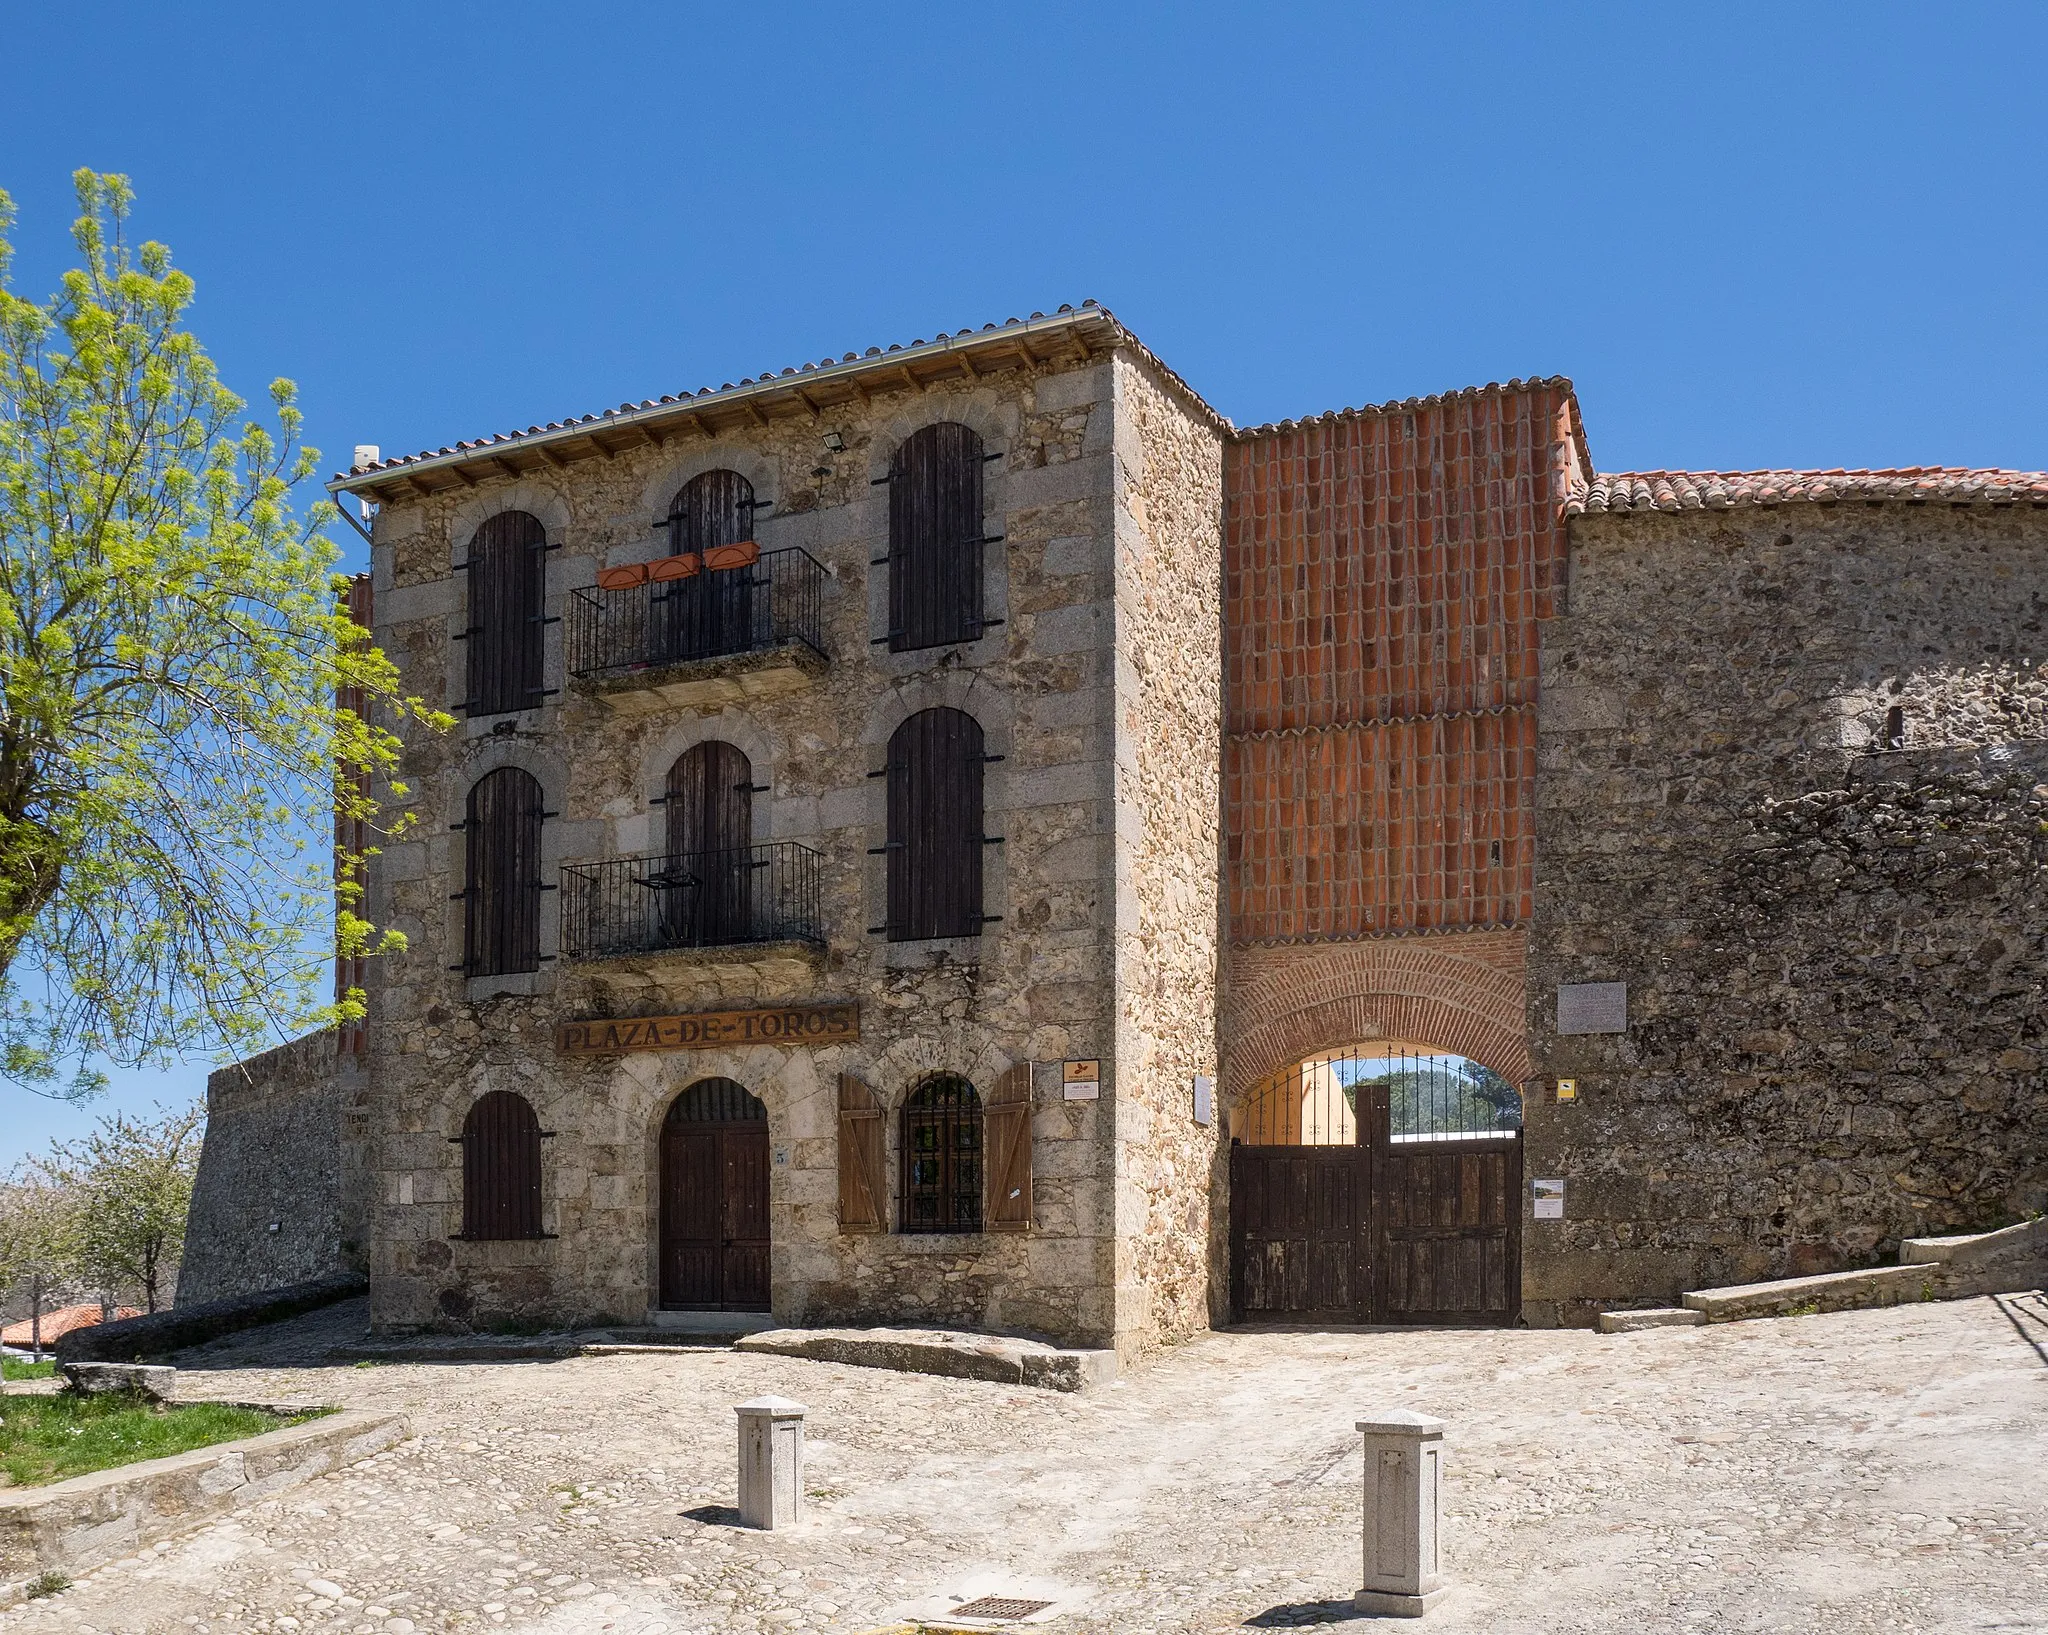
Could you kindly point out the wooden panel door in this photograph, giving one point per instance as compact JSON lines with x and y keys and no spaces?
{"x":1298,"y":1248}
{"x":1451,"y":1226}
{"x":713,"y":1244}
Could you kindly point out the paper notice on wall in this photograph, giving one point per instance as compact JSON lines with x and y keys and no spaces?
{"x":1549,"y":1200}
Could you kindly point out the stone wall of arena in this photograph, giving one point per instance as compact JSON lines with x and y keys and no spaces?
{"x":280,"y":1193}
{"x":1834,"y":950}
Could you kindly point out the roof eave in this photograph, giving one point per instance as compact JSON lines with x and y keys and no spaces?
{"x":1088,"y":323}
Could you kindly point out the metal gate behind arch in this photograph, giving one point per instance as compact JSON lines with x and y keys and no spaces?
{"x":1367,"y":1192}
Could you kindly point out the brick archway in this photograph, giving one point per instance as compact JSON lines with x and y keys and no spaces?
{"x":1461,"y":992}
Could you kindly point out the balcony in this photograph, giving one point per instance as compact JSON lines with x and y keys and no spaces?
{"x":721,"y":637}
{"x":748,"y":895}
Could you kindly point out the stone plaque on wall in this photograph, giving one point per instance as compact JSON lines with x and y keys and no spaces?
{"x":1592,"y":1007}
{"x":709,"y":1030}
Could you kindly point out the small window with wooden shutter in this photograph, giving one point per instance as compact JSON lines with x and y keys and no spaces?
{"x":501,"y":1168}
{"x":506,"y":634}
{"x":1006,"y":1134}
{"x":501,"y":889}
{"x":935,"y":843}
{"x":935,"y":539}
{"x":942,"y":1157}
{"x":863,"y":1189}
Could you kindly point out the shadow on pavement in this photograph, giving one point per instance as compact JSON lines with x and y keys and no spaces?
{"x":1301,"y":1614}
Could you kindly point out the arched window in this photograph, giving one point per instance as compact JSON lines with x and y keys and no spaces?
{"x":710,"y":611}
{"x":942,"y":1147}
{"x":501,"y":880}
{"x":501,"y":1168}
{"x":935,"y":539}
{"x":1430,"y":1094}
{"x":507,"y":584}
{"x":934,"y":837}
{"x":710,"y":804}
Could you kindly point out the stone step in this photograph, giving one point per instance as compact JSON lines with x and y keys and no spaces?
{"x":1977,"y":1248}
{"x":949,"y":1353}
{"x":1827,"y":1291}
{"x":1634,"y":1322}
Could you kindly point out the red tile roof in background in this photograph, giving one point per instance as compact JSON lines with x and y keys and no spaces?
{"x":60,"y":1322}
{"x":1622,"y":492}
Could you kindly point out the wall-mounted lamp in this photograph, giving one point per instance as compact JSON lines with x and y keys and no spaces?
{"x":834,"y":441}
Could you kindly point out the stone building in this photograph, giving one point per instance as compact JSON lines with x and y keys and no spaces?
{"x":961,"y":834}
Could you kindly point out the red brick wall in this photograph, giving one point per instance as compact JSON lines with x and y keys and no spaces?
{"x":1384,"y":573}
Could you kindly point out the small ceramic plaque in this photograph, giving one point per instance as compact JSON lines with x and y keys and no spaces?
{"x":1205,"y":1099}
{"x":1082,"y":1081}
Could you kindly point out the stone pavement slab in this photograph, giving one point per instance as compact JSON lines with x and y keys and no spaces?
{"x":1854,"y":1473}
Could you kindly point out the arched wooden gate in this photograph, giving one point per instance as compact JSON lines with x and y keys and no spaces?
{"x":1381,"y":1185}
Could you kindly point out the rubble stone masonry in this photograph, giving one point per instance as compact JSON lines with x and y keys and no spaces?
{"x":1102,"y":885}
{"x":1836,"y":952}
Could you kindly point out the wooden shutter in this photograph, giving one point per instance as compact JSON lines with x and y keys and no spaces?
{"x":501,"y":891}
{"x":709,"y":613}
{"x":507,"y":589}
{"x":710,"y":805}
{"x":713,"y":509}
{"x":1006,"y":1122}
{"x":934,"y":830}
{"x":863,"y":1187}
{"x":501,"y":1168}
{"x":935,"y":540}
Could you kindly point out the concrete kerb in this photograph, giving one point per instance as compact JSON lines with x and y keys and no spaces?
{"x":73,"y":1526}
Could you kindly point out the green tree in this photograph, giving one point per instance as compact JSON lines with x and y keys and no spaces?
{"x":130,"y":1185}
{"x":171,"y":645}
{"x":35,"y":1239}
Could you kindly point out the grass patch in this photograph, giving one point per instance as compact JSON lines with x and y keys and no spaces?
{"x":13,"y":1368}
{"x":46,"y":1439}
{"x":47,"y":1584}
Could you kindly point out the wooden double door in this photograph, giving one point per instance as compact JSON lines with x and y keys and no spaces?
{"x":714,"y":1200}
{"x":1383,"y":1231}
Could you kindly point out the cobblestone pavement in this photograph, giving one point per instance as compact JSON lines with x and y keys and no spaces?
{"x":1879,"y":1471}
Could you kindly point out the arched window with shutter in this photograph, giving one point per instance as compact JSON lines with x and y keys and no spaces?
{"x":711,"y":610}
{"x":501,"y":1168}
{"x":942,"y":1157}
{"x":935,"y":539}
{"x":935,"y":841}
{"x":501,"y":879}
{"x":710,"y":805}
{"x":507,"y":587}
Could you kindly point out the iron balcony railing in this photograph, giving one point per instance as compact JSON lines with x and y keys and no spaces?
{"x":636,"y":905}
{"x":773,"y":602}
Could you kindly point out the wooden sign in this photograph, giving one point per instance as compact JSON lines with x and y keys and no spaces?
{"x":710,"y":1030}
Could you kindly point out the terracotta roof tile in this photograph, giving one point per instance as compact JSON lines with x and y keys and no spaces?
{"x":1637,"y":491}
{"x":1088,"y":313}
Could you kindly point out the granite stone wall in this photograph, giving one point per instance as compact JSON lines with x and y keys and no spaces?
{"x":1036,"y":986}
{"x":1835,"y":951}
{"x":279,"y":1196}
{"x":1169,"y":734}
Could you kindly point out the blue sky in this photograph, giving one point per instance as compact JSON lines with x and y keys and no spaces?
{"x":1754,"y":235}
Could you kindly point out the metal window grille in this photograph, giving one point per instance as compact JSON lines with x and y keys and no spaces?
{"x":506,"y":638}
{"x":935,"y":841}
{"x":935,"y":538}
{"x":942,"y":1157}
{"x":502,"y":885}
{"x":501,"y":1168}
{"x":717,"y":1101}
{"x":777,"y":602}
{"x":769,"y":892}
{"x":1432,"y":1095}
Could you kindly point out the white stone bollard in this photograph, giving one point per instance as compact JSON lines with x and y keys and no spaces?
{"x":771,"y":1462}
{"x":1404,"y":1455}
